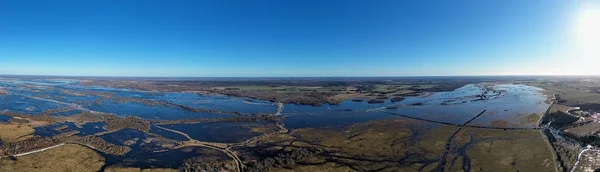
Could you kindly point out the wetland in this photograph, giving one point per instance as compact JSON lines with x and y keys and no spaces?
{"x":432,"y":124}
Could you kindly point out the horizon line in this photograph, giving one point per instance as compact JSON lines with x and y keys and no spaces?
{"x":115,"y":76}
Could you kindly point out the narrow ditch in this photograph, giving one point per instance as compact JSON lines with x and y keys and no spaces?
{"x":442,"y":164}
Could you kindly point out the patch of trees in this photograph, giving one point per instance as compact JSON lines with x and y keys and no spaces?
{"x":27,"y":145}
{"x":365,"y":88}
{"x":559,"y":119}
{"x":191,"y":109}
{"x":439,"y":88}
{"x":411,"y":94}
{"x":269,"y":118}
{"x":382,"y":97}
{"x":589,"y":106}
{"x":284,"y":159}
{"x":373,"y":101}
{"x":559,"y":99}
{"x":115,"y":123}
{"x":37,"y":142}
{"x":593,"y":140}
{"x":417,"y":104}
{"x":62,"y":127}
{"x":55,"y":111}
{"x":16,"y":120}
{"x":303,"y":98}
{"x":397,"y":99}
{"x":197,"y":164}
{"x":98,"y":144}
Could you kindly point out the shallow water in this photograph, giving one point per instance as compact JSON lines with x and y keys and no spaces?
{"x":89,"y":128}
{"x":4,"y":118}
{"x":26,"y":105}
{"x":49,"y":130}
{"x":516,"y":102}
{"x":143,"y":149}
{"x":33,"y":97}
{"x":458,"y":106}
{"x":167,"y":134}
{"x":223,"y":132}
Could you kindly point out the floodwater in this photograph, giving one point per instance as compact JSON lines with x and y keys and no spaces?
{"x":507,"y":102}
{"x":4,"y":118}
{"x":147,"y":151}
{"x":89,"y":128}
{"x":511,"y":104}
{"x":168,"y":134}
{"x":223,"y":132}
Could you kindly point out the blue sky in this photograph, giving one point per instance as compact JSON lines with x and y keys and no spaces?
{"x":285,"y":38}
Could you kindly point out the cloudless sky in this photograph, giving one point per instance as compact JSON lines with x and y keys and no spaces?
{"x":286,"y":37}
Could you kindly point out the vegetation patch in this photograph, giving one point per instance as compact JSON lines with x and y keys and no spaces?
{"x":14,"y":132}
{"x":390,"y":145}
{"x":476,"y":149}
{"x":64,"y":158}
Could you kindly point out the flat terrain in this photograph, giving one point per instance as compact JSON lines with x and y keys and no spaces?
{"x":297,"y":124}
{"x":64,"y":158}
{"x":308,"y":91}
{"x":498,"y":150}
{"x":14,"y":132}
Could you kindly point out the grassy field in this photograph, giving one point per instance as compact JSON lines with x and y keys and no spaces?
{"x":409,"y":145}
{"x":499,"y":150}
{"x":573,"y":93}
{"x":14,"y":132}
{"x":390,"y":88}
{"x":65,"y":158}
{"x":389,"y":145}
{"x":586,"y":129}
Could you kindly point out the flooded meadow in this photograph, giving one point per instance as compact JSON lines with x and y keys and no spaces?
{"x":429,"y":131}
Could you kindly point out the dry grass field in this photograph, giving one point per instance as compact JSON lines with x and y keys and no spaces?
{"x":69,"y":157}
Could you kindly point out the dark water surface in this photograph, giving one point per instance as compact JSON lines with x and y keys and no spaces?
{"x":89,"y":128}
{"x":223,"y":132}
{"x":143,"y":149}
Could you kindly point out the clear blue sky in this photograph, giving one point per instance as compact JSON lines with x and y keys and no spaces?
{"x":284,"y":37}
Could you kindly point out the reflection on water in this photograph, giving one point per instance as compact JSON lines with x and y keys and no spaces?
{"x":512,"y":104}
{"x":55,"y":129}
{"x":4,"y":118}
{"x":26,"y":105}
{"x":89,"y":128}
{"x":167,"y":134}
{"x":508,"y":102}
{"x":224,"y":132}
{"x":143,"y":151}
